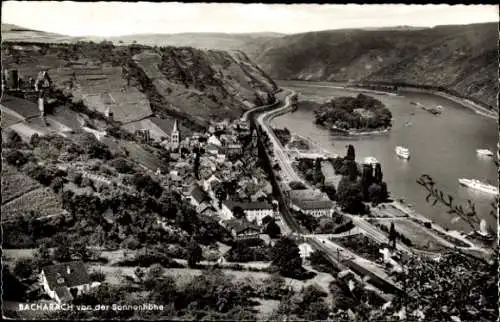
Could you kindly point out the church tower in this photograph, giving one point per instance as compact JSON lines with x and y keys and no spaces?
{"x":175,"y":137}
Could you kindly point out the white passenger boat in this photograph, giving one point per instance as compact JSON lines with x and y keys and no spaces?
{"x":370,"y":160}
{"x":484,"y":152}
{"x":403,"y":152}
{"x":478,"y":185}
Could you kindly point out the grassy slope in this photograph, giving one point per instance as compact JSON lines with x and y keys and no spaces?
{"x":460,"y":58}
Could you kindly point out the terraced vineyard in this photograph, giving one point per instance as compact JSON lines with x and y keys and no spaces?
{"x":41,"y":202}
{"x":15,"y":184}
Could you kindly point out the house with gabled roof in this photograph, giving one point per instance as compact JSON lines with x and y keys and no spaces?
{"x":199,"y":196}
{"x":242,"y":229}
{"x":64,"y":281}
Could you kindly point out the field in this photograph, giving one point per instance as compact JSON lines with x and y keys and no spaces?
{"x":15,"y":183}
{"x":361,"y":245}
{"x":419,"y":236}
{"x":42,"y":202}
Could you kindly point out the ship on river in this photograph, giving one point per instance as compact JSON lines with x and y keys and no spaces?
{"x":433,"y":110}
{"x":478,"y":185}
{"x":484,"y":152}
{"x":403,"y":152}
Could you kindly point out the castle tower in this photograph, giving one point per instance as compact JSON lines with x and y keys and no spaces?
{"x":175,"y":134}
{"x":108,"y":113}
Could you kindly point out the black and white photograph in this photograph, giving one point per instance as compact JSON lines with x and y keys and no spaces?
{"x":249,"y":162}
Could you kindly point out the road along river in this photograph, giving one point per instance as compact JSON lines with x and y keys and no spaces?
{"x":443,"y":147}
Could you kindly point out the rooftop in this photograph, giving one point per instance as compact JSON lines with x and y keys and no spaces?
{"x":247,"y":205}
{"x":240,"y":225}
{"x":308,"y":194}
{"x":313,"y":204}
{"x":59,"y":275}
{"x":199,"y":194}
{"x":20,"y":106}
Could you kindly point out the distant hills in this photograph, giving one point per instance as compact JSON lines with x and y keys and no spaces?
{"x":460,"y":58}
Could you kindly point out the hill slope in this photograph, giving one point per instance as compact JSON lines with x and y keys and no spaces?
{"x":460,"y":58}
{"x":136,"y":82}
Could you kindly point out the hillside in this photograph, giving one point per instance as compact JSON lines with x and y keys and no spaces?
{"x":461,"y":58}
{"x":137,"y":82}
{"x":220,"y":41}
{"x":16,"y":33}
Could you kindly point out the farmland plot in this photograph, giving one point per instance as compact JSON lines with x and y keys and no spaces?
{"x":15,"y":183}
{"x":42,"y":201}
{"x":419,"y":236}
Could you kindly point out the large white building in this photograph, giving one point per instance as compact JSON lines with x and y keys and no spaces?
{"x":254,"y":211}
{"x":316,"y":208}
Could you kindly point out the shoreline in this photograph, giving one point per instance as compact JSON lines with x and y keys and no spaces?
{"x":465,"y":102}
{"x":477,"y":108}
{"x":351,"y":132}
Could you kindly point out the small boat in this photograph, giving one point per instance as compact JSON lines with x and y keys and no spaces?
{"x":478,"y":185}
{"x":484,"y":152}
{"x":403,"y":152}
{"x":370,"y":160}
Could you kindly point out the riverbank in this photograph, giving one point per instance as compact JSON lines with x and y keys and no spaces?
{"x":361,"y":133}
{"x":476,"y":107}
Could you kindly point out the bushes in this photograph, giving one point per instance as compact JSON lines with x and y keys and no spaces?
{"x":295,"y":185}
{"x":122,"y":165}
{"x":97,"y":276}
{"x":243,"y":253}
{"x":405,"y":240}
{"x":15,"y":158}
{"x":146,"y":258}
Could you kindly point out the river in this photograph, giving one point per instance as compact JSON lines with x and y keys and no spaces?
{"x":443,"y":147}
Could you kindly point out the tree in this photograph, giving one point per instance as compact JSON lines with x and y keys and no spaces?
{"x":155,"y":271}
{"x":285,"y":256}
{"x":154,"y":274}
{"x":196,"y":167}
{"x":62,"y":252}
{"x":13,"y":139}
{"x":122,"y":165}
{"x":164,"y":291}
{"x":238,"y":212}
{"x":366,"y":180}
{"x":220,"y":194}
{"x":378,"y":173}
{"x":147,"y":184}
{"x":34,"y":140}
{"x":295,"y":185}
{"x":43,"y":256}
{"x":318,"y":176}
{"x":194,"y":253}
{"x":330,"y":191}
{"x":351,"y":170}
{"x":272,"y":229}
{"x":392,"y":236}
{"x":351,"y":154}
{"x":15,"y":158}
{"x":350,"y":196}
{"x":25,"y":267}
{"x":139,"y":273}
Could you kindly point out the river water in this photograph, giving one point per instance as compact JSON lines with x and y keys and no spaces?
{"x":443,"y":147}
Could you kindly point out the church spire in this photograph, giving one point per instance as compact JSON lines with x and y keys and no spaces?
{"x":175,"y":127}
